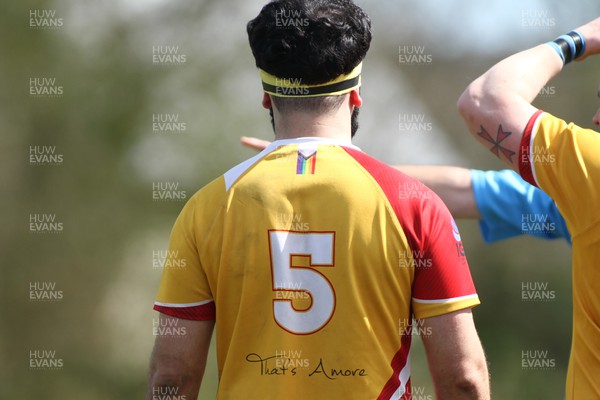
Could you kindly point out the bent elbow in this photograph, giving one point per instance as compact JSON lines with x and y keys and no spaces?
{"x":469,"y":103}
{"x":474,"y":382}
{"x":159,"y":379}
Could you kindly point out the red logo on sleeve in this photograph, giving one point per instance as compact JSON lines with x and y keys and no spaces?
{"x":459,"y":246}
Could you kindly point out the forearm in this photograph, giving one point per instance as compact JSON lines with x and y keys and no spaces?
{"x":467,"y":380}
{"x":456,"y":358}
{"x":452,"y":184}
{"x":178,"y":361}
{"x":173,"y":376}
{"x":162,"y":385}
{"x":474,"y":386}
{"x":519,"y":77}
{"x":497,"y":106}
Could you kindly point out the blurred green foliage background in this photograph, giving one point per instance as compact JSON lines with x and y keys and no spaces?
{"x":104,"y":259}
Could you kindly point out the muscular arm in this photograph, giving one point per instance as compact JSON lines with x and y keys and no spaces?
{"x":455,"y":356}
{"x":178,"y":362}
{"x":497,"y":106}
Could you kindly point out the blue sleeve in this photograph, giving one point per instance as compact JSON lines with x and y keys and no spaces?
{"x":509,"y":207}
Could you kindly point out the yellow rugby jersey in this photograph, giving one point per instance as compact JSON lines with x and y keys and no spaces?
{"x":314,"y":258}
{"x":564,"y":161}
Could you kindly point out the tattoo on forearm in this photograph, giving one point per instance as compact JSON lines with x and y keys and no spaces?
{"x":497,"y":148}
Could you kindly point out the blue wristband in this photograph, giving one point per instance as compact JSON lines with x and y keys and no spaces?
{"x":569,"y":46}
{"x":558,"y":50}
{"x":571,"y":42}
{"x":582,"y":39}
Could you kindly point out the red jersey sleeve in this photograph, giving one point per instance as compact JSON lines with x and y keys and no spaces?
{"x":442,"y":280}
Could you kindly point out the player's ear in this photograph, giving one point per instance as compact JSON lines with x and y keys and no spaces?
{"x":266,"y":101}
{"x":355,"y":99}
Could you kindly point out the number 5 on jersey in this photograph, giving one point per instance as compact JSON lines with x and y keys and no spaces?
{"x":318,"y":247}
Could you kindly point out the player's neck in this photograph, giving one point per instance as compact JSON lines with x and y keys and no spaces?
{"x":331,"y":126}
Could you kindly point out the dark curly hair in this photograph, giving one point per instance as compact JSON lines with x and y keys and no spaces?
{"x":312,"y":40}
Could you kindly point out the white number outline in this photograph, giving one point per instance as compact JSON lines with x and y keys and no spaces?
{"x":310,"y":269}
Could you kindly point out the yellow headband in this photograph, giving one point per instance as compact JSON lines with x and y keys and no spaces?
{"x":284,"y":87}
